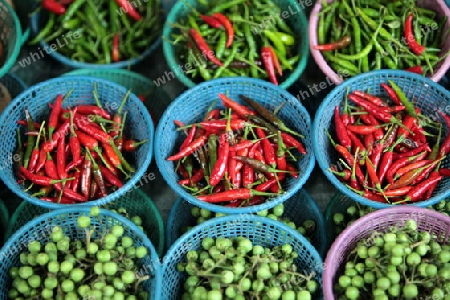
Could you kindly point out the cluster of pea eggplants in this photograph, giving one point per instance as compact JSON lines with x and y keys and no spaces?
{"x":344,"y":219}
{"x":104,"y":267}
{"x":307,"y":228}
{"x":236,"y":268}
{"x":401,"y":263}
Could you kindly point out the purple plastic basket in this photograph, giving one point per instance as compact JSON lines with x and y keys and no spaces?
{"x":380,"y":220}
{"x":438,"y":6}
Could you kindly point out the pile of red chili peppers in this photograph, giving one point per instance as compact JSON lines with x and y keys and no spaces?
{"x":389,"y":151}
{"x":239,"y":156}
{"x":75,"y":155}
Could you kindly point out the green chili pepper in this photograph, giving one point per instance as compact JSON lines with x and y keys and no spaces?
{"x":31,"y":139}
{"x":371,"y":12}
{"x":278,"y":44}
{"x":365,"y":52}
{"x":220,"y":47}
{"x":284,"y":62}
{"x":409,"y":107}
{"x":227,"y":62}
{"x":342,"y":63}
{"x":226,"y":5}
{"x":356,"y":27}
{"x":212,"y":151}
{"x":73,"y":8}
{"x":292,"y":61}
{"x":45,"y":31}
{"x":377,"y":61}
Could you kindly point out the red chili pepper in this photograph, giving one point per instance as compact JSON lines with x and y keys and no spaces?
{"x":269,"y":61}
{"x":348,"y":157}
{"x":76,"y":182}
{"x":408,"y":122}
{"x":221,"y":164}
{"x":241,"y":110}
{"x":415,"y":151}
{"x":191,"y":148}
{"x":340,"y":130}
{"x":409,"y":36}
{"x":115,"y":50}
{"x":189,"y":138}
{"x":419,"y":135}
{"x":368,"y":194}
{"x":370,"y":120}
{"x":362,"y":129}
{"x":424,"y":174}
{"x":265,"y":186}
{"x":203,"y":46}
{"x":398,"y":192}
{"x":268,"y":151}
{"x":401,"y":162}
{"x":110,"y":177}
{"x":54,"y":116}
{"x":369,"y":142}
{"x":42,"y":158}
{"x":70,"y":194}
{"x":276,"y":62}
{"x":412,"y":166}
{"x":86,"y":177}
{"x":371,"y":171}
{"x":54,"y":7}
{"x":416,"y":69}
{"x":228,"y":27}
{"x":259,"y":156}
{"x":93,"y":190}
{"x":221,"y":124}
{"x":292,"y":170}
{"x":345,"y":174}
{"x":50,"y":168}
{"x":196,"y":177}
{"x":373,"y":109}
{"x":374,"y":99}
{"x":99,"y":135}
{"x":24,"y":123}
{"x":431,"y":189}
{"x":417,"y":192}
{"x":238,"y":194}
{"x":74,"y":143}
{"x":73,"y":164}
{"x":92,"y":110}
{"x":232,"y":162}
{"x":391,"y":93}
{"x":339,"y":44}
{"x":444,"y":172}
{"x":132,"y":145}
{"x":61,"y":160}
{"x":242,"y":152}
{"x":291,"y":141}
{"x":386,"y":162}
{"x":242,"y":145}
{"x":214,"y":23}
{"x":129,"y":9}
{"x":113,"y":157}
{"x":34,"y":158}
{"x":356,"y":142}
{"x":86,"y":140}
{"x":61,"y":132}
{"x":38,"y":179}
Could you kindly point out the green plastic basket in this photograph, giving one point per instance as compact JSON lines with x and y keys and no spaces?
{"x":4,"y":217}
{"x":156,"y":99}
{"x":297,"y":20}
{"x":10,"y":36}
{"x":136,"y":202}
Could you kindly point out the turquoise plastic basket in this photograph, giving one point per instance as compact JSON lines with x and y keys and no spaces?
{"x":11,"y":36}
{"x":429,"y":97}
{"x":36,"y":98}
{"x":299,"y":208}
{"x":261,"y":231}
{"x":4,"y":218}
{"x":427,"y":221}
{"x":40,"y":228}
{"x":136,"y":202}
{"x":297,"y":21}
{"x":37,"y":21}
{"x":191,"y":106}
{"x":156,"y":99}
{"x":24,"y":9}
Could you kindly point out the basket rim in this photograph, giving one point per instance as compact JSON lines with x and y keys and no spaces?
{"x":320,"y":227}
{"x":171,"y":59}
{"x":217,"y":208}
{"x":331,"y":73}
{"x":19,"y":39}
{"x":337,"y":246}
{"x":324,"y":106}
{"x":97,"y":72}
{"x":101,"y":201}
{"x":171,"y":252}
{"x":34,"y":25}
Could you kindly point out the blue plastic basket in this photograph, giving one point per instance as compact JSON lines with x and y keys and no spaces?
{"x":192,"y":105}
{"x":261,"y":231}
{"x":429,"y":97}
{"x":297,"y":20}
{"x":299,"y":208}
{"x":139,"y":126}
{"x":36,"y":24}
{"x":40,"y":228}
{"x":136,"y":202}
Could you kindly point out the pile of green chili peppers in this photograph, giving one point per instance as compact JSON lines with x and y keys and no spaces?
{"x":379,"y":37}
{"x":255,"y":26}
{"x":106,"y":32}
